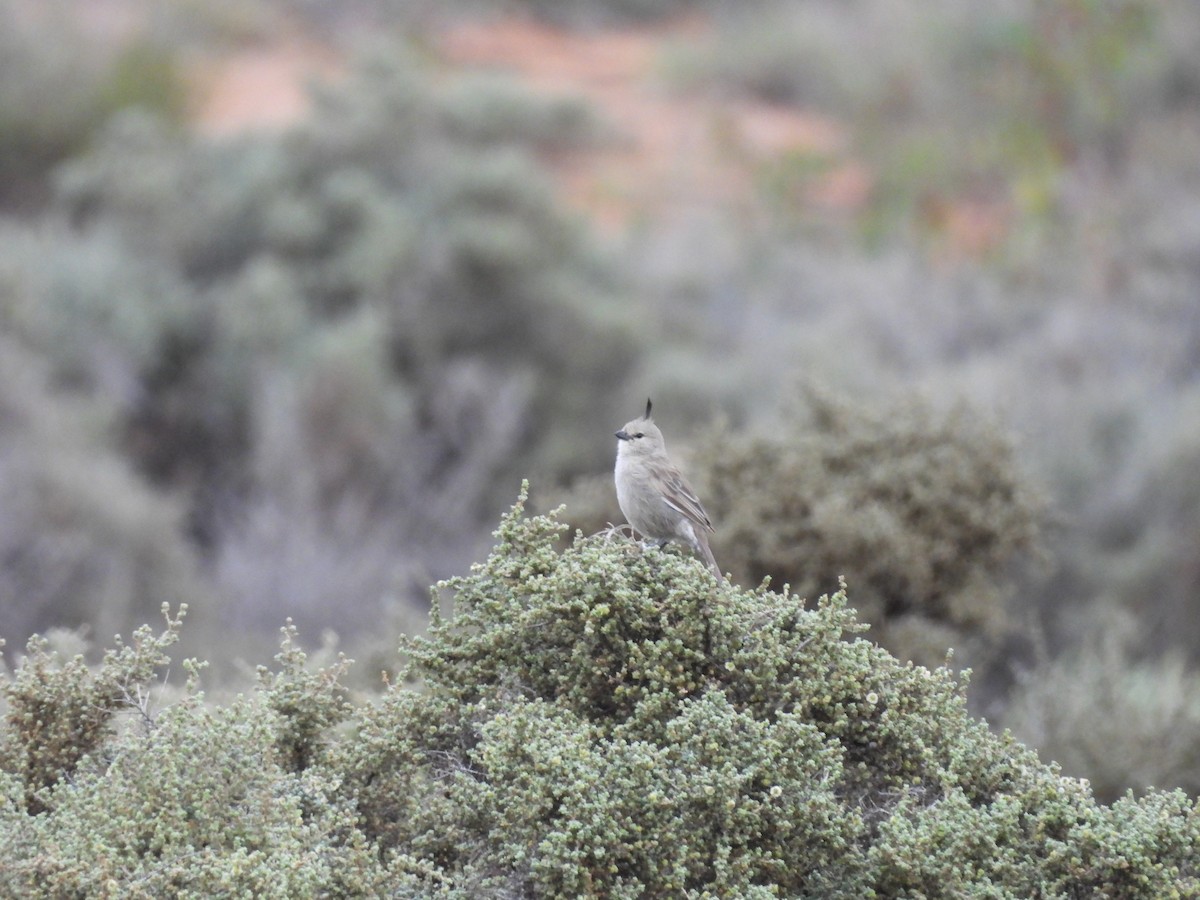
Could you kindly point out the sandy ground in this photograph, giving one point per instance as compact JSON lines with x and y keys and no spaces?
{"x":260,"y":87}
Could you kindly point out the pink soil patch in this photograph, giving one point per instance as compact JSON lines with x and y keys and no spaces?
{"x":969,"y":228}
{"x":261,"y":87}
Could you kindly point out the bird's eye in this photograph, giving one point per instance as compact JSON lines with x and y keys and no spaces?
{"x":639,"y":434}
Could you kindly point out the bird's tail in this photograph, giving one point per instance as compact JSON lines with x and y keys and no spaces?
{"x":706,"y":552}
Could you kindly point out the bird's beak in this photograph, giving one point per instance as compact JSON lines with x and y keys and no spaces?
{"x":623,"y":435}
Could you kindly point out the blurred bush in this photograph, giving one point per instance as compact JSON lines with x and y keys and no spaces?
{"x":596,"y":721}
{"x":337,"y":346}
{"x":59,"y":84}
{"x":84,"y":540}
{"x":926,"y":515}
{"x":1110,"y":711}
{"x":959,"y":108}
{"x":1141,"y":540}
{"x":926,"y":512}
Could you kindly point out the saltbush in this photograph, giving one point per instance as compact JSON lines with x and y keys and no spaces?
{"x":195,"y":800}
{"x":927,"y":514}
{"x":61,"y":83}
{"x":600,"y":720}
{"x":335,"y":346}
{"x":610,"y":721}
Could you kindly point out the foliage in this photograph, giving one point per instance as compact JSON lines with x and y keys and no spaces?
{"x":196,"y":800}
{"x":59,"y":87}
{"x":59,"y":711}
{"x":926,"y":514}
{"x":306,"y":703}
{"x":84,"y":539}
{"x":1142,"y":542}
{"x":1106,"y":711}
{"x":602,"y":720}
{"x":308,"y":364}
{"x":334,"y":346}
{"x":925,"y":511}
{"x":959,"y":107}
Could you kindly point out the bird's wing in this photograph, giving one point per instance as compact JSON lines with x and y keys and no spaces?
{"x":679,"y":495}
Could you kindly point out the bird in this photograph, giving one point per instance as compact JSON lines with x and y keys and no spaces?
{"x":653,"y":494}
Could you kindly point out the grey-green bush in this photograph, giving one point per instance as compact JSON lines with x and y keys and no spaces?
{"x":335,"y":346}
{"x":600,"y":720}
{"x":926,"y":513}
{"x":1110,"y":712}
{"x":194,"y":800}
{"x":610,"y":721}
{"x":84,"y":538}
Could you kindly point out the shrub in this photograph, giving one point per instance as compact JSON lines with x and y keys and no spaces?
{"x":600,"y":720}
{"x":1109,"y":714}
{"x":199,"y":800}
{"x":85,"y":539}
{"x":58,"y":711}
{"x":1142,"y":540}
{"x":926,"y":512}
{"x":356,"y":328}
{"x":60,"y":84}
{"x":610,"y":721}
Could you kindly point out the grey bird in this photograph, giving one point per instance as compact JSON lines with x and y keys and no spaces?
{"x":654,"y":496}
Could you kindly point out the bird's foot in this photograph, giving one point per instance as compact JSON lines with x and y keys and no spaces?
{"x":612,"y":530}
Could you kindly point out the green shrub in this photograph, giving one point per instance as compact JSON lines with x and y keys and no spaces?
{"x":610,"y":721}
{"x":58,"y":711}
{"x":191,"y":800}
{"x":602,"y":720}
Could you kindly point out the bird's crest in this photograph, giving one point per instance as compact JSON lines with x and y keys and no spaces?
{"x":647,"y":415}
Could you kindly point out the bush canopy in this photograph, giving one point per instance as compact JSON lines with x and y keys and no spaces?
{"x":599,"y":720}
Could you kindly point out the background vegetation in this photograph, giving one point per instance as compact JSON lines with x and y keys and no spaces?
{"x":297,"y":372}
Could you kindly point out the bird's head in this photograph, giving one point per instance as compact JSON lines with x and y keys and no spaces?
{"x":640,"y":436}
